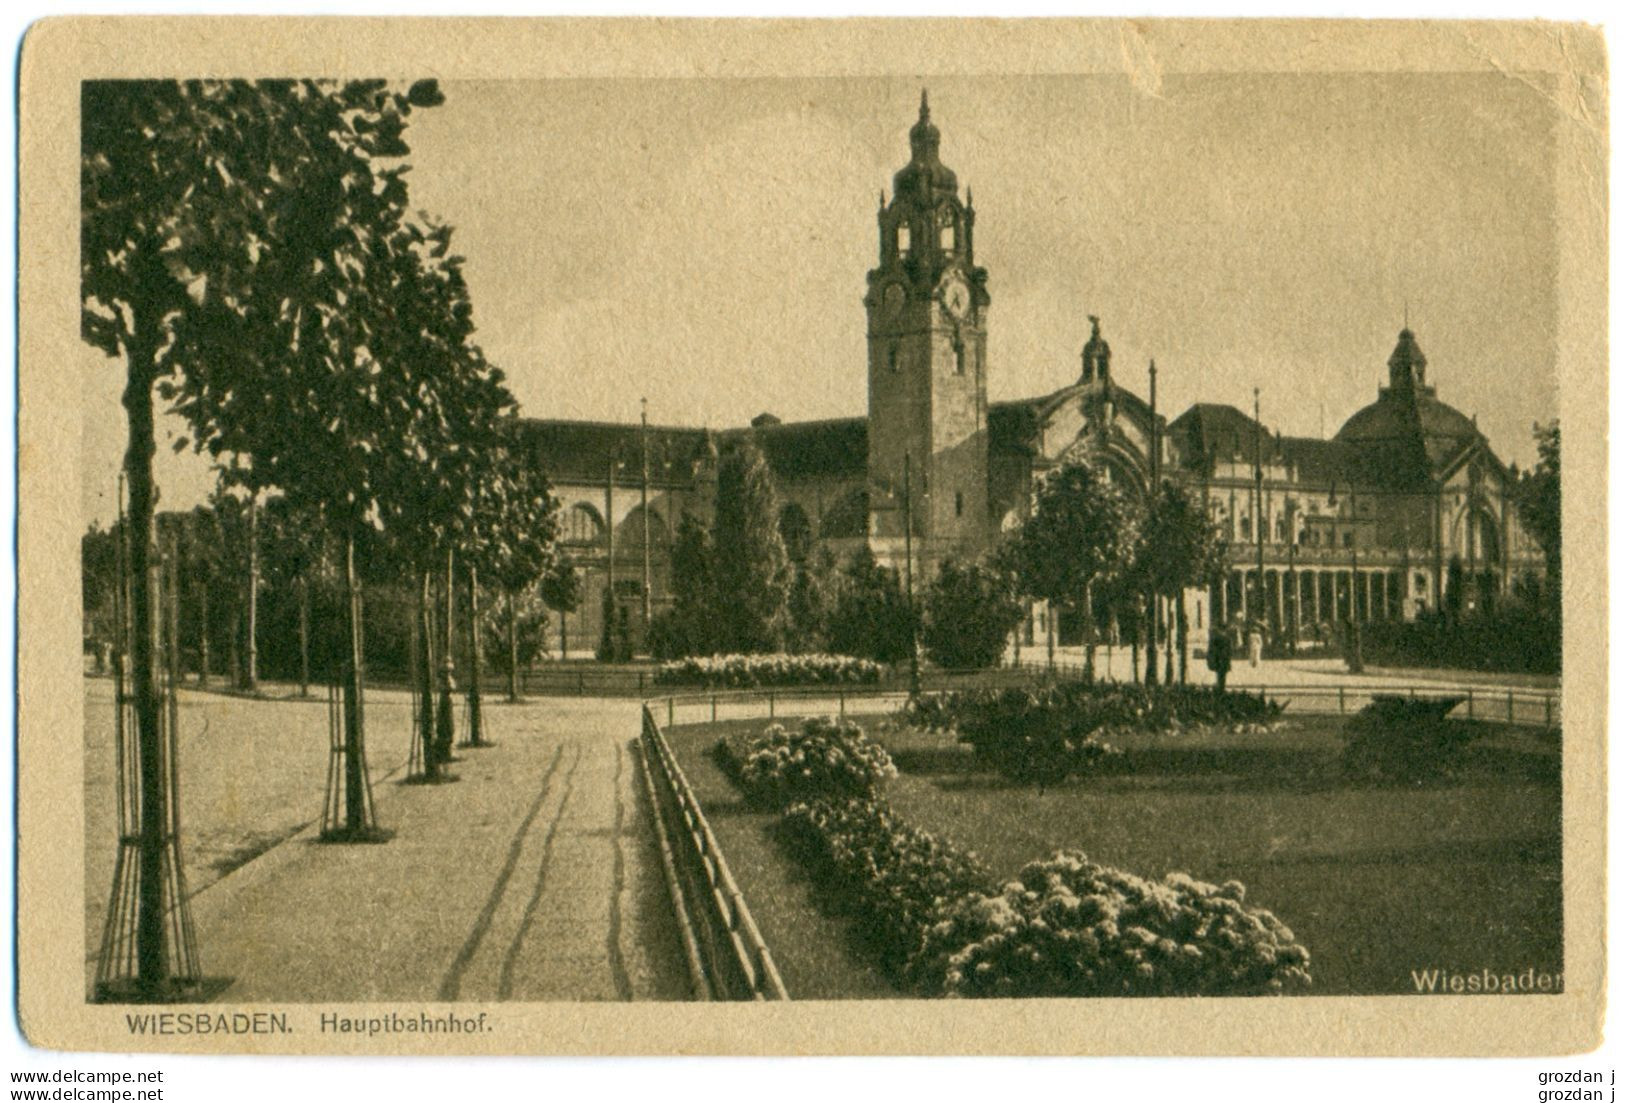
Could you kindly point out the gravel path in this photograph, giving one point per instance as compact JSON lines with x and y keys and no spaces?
{"x":535,"y":876}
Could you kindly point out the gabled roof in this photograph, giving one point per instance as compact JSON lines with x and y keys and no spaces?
{"x":1209,"y":430}
{"x":581,"y":451}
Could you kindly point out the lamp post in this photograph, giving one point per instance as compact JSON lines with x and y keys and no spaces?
{"x":609,"y":606}
{"x":643,"y":435}
{"x":1258,"y":515}
{"x":1292,"y":580}
{"x":1356,"y":659}
{"x":908,"y":579}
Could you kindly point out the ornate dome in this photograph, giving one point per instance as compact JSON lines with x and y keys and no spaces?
{"x":925,"y":176}
{"x":1409,"y":431}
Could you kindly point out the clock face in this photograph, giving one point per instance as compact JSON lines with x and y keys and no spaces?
{"x":956,"y":297}
{"x":894,"y":297}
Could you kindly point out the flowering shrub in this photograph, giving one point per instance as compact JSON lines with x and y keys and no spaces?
{"x":896,"y":878}
{"x":750,"y":671}
{"x":1398,"y":739}
{"x":1071,"y":927}
{"x":825,"y":757}
{"x":1053,"y":732}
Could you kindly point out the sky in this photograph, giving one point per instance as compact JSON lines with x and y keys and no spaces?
{"x":703,"y":243}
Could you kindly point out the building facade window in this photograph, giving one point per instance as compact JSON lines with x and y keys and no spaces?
{"x":582,"y":525}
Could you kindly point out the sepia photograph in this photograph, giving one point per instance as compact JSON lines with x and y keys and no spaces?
{"x":900,"y":542}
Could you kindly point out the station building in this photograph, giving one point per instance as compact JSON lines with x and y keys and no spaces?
{"x":1405,"y":501}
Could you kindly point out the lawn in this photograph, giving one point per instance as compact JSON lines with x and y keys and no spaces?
{"x":1376,"y":879}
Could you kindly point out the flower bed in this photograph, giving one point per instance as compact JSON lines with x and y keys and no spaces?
{"x":753,"y":671}
{"x":1072,"y":927}
{"x":1048,"y":734}
{"x":895,"y":877}
{"x":824,"y":758}
{"x":1398,"y":739}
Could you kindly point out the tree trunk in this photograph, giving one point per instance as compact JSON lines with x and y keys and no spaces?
{"x":426,"y":694}
{"x":251,"y":679}
{"x":1049,"y":632}
{"x":446,"y":721}
{"x":1134,"y":645}
{"x":152,"y":951}
{"x":234,"y":653}
{"x":475,"y":735}
{"x":1183,"y":623}
{"x":1168,"y":634}
{"x":355,"y":764}
{"x":1088,"y":634}
{"x":1152,"y":636}
{"x":513,"y":648}
{"x":304,"y":637}
{"x":564,"y":639}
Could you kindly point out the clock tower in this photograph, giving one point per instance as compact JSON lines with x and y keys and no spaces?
{"x":927,"y":310}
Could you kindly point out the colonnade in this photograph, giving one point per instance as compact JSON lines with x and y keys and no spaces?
{"x":1309,"y":596}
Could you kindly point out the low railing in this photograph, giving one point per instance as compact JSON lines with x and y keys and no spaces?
{"x":728,"y":960}
{"x":591,"y":680}
{"x":1521,"y":707}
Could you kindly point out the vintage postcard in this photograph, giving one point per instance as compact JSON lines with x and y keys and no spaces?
{"x":811,"y":537}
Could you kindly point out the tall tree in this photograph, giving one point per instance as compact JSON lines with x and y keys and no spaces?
{"x":970,"y":611}
{"x":749,"y":563}
{"x":813,"y":594}
{"x":1178,"y":547}
{"x":872,"y":618}
{"x":226,"y":233}
{"x":689,"y":621}
{"x":511,"y":543}
{"x":561,"y":592}
{"x":296,"y":557}
{"x":1080,"y":535}
{"x":1540,"y":501}
{"x":428,"y":499}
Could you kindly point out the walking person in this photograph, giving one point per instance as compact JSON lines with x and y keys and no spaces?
{"x":1218,"y":656}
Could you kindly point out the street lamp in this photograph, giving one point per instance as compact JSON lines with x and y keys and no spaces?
{"x":908,"y":580}
{"x":1356,"y":659}
{"x":610,"y":607}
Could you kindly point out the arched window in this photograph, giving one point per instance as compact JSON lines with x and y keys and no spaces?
{"x":630,"y":530}
{"x":582,"y":524}
{"x":902,"y":237}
